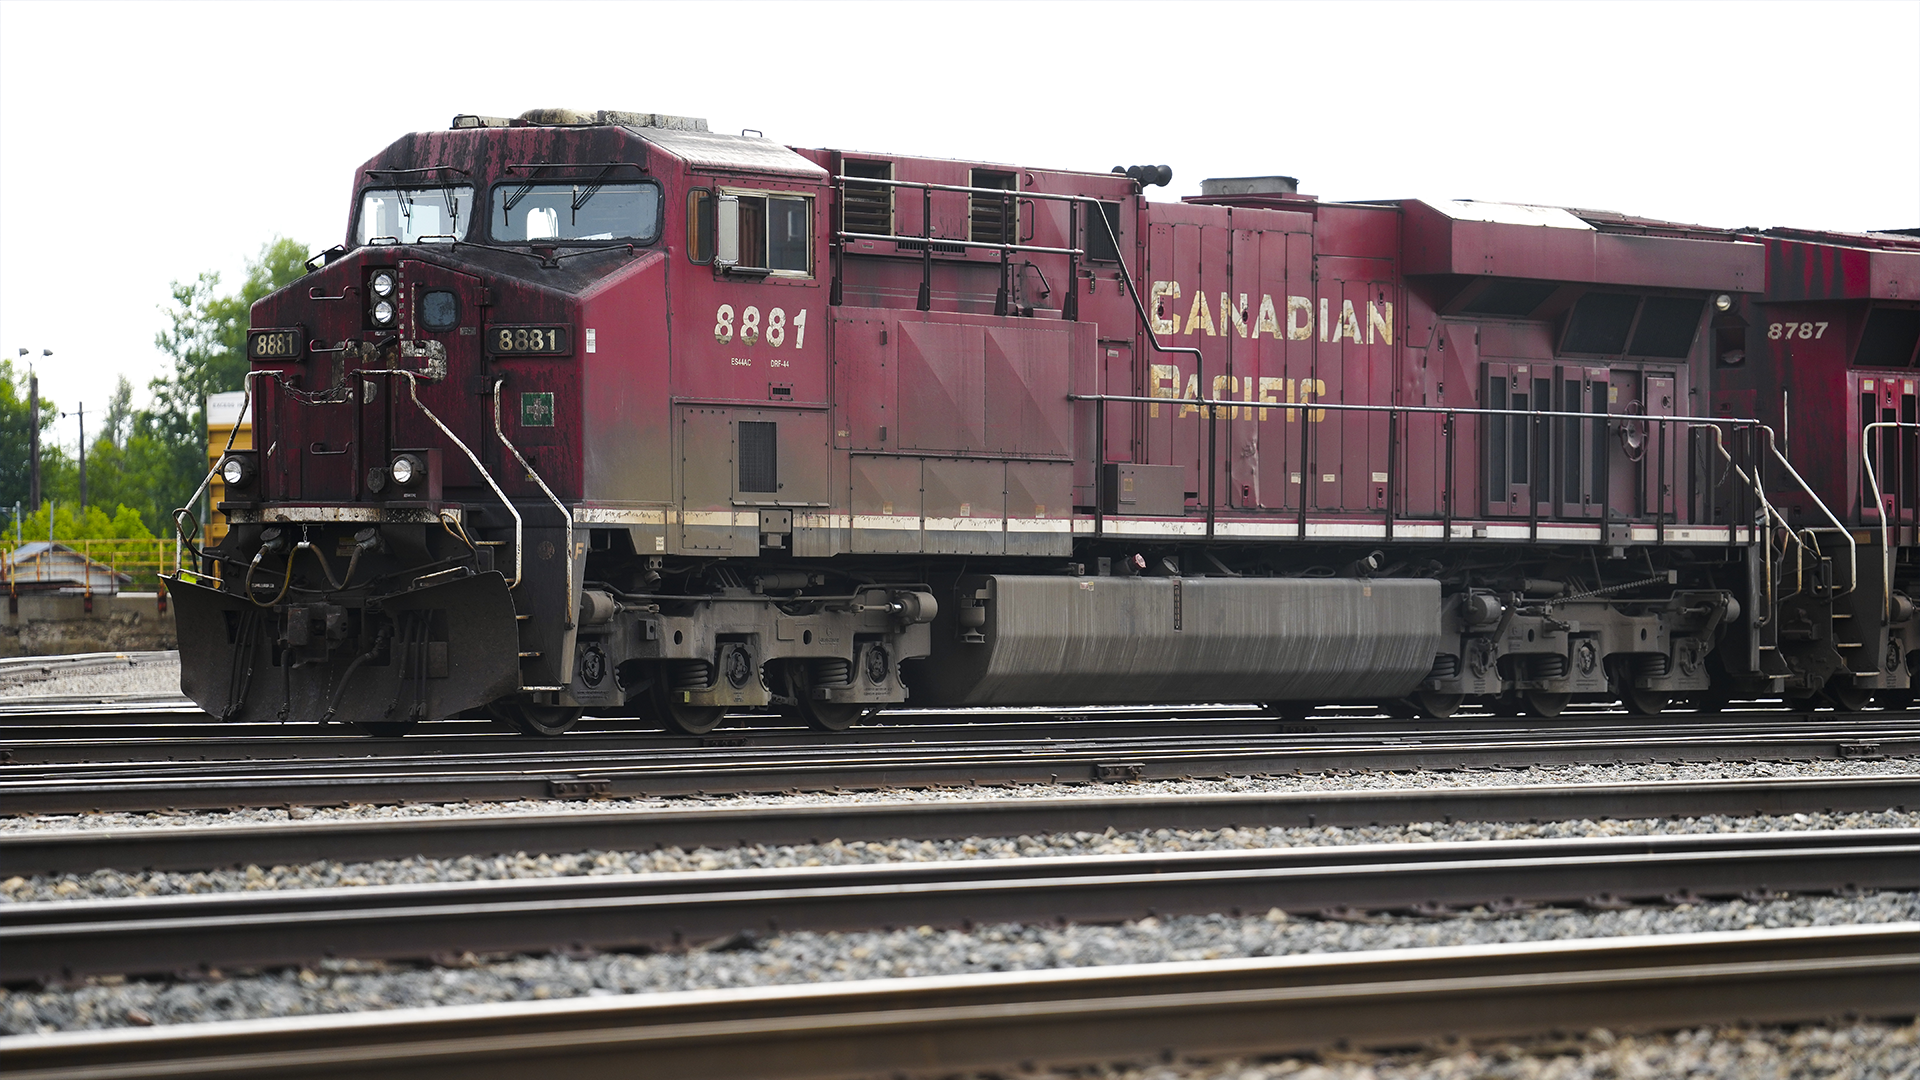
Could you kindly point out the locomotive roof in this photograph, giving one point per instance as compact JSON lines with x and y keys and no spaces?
{"x":684,"y":137}
{"x":713,"y":150}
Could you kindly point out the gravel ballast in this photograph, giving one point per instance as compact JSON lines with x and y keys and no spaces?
{"x":142,"y":675}
{"x":350,"y":986}
{"x":103,"y":884}
{"x":1538,"y":775}
{"x":1865,"y":1051}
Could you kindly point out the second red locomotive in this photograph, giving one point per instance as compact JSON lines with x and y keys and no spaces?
{"x":609,"y":412}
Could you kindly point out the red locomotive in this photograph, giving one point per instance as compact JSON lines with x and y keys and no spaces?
{"x":609,"y":412}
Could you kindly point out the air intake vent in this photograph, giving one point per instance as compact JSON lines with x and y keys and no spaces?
{"x":867,"y":208}
{"x":992,"y":215}
{"x":759,"y":457}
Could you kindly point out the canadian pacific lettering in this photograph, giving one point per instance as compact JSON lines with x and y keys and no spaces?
{"x":1332,"y":326}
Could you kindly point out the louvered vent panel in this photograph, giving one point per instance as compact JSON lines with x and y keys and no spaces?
{"x":867,"y":208}
{"x":992,"y":216}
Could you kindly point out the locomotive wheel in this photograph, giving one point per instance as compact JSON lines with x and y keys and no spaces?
{"x":822,"y":715}
{"x":386,"y":729}
{"x":680,"y":717}
{"x":1848,"y":698}
{"x":1545,"y":705}
{"x":1644,"y":702}
{"x":1506,"y":705}
{"x":829,"y":716}
{"x":543,"y":720}
{"x":1436,"y":705}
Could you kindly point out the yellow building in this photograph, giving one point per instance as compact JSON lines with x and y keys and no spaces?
{"x":223,"y":415}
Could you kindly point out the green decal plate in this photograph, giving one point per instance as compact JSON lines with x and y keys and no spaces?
{"x":536,"y":409}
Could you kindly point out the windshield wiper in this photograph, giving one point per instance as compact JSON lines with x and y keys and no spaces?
{"x":519,"y":193}
{"x":580,"y":196}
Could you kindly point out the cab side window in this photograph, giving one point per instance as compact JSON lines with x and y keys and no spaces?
{"x":775,"y":232}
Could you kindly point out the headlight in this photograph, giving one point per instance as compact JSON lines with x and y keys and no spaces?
{"x":237,"y":471}
{"x":1723,"y":302}
{"x":382,"y":283}
{"x":383,"y":312}
{"x":404,"y":468}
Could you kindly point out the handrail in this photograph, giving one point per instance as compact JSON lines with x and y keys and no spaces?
{"x":981,"y":244}
{"x":413,"y":391}
{"x":1211,"y":407}
{"x":246,"y":403}
{"x":919,"y":185}
{"x":1767,"y":513}
{"x":564,"y":513}
{"x":1880,"y":510}
{"x":1339,"y":406}
{"x":1853,"y":549}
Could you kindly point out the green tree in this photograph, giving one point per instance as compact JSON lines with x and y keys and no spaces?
{"x":207,"y":344}
{"x":69,"y":523}
{"x":119,"y":421}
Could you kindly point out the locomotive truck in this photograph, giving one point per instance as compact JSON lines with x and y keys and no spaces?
{"x":609,"y":412}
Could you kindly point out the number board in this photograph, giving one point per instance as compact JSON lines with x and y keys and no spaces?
{"x":275,"y":344}
{"x":529,"y":341}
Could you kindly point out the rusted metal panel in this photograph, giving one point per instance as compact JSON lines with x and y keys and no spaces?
{"x":885,"y":503}
{"x":626,"y":428}
{"x":865,"y":380}
{"x":1052,"y":640}
{"x":1026,"y":368}
{"x":964,"y":503}
{"x":800,"y":459}
{"x":707,"y":481}
{"x":1039,"y":508}
{"x":943,"y":403}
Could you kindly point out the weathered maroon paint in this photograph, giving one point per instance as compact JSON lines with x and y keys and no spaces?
{"x":964,"y":429}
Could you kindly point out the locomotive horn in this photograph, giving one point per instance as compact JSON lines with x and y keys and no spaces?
{"x":1147,"y":175}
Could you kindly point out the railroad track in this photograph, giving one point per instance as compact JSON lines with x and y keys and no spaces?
{"x":944,"y":1024}
{"x":64,"y":940}
{"x":49,"y":852}
{"x":524,"y":769}
{"x":57,"y":738}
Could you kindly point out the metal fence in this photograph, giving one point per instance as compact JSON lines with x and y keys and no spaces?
{"x":57,"y":570}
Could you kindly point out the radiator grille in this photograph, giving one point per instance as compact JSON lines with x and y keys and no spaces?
{"x":759,"y":456}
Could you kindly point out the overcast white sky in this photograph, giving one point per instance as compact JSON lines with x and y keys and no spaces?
{"x":142,"y":143}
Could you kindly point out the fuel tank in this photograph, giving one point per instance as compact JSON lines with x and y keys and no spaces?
{"x":1031,"y":640}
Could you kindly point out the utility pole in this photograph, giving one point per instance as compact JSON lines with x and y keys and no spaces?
{"x":33,"y":432}
{"x":81,"y":412}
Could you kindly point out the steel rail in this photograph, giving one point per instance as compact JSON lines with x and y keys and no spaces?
{"x":106,"y":747}
{"x":198,"y":848}
{"x":66,"y":940}
{"x":23,"y":716}
{"x":553,"y":771}
{"x":946,"y":1024}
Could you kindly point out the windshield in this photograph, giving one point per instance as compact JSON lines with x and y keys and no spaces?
{"x":575,"y":211}
{"x":415,"y":215}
